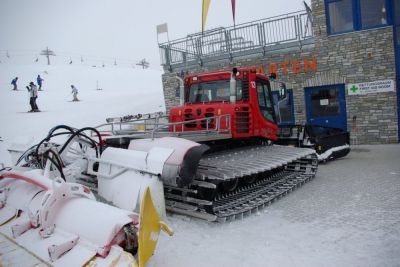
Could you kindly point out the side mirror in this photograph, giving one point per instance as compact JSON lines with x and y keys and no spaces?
{"x":272,"y":76}
{"x":282,"y":87}
{"x":282,"y":91}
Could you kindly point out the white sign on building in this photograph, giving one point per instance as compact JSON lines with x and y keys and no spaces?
{"x":370,"y":87}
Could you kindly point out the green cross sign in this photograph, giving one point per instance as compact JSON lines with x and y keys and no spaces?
{"x":354,"y":88}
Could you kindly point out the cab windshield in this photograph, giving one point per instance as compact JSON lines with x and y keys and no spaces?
{"x":212,"y":91}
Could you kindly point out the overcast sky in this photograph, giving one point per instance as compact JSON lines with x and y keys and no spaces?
{"x":123,"y":29}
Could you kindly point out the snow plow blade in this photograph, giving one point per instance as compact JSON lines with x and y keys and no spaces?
{"x":76,"y":204}
{"x":150,"y":227}
{"x":59,"y":226}
{"x":181,"y":166}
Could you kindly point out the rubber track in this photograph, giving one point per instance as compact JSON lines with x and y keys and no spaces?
{"x":249,"y":199}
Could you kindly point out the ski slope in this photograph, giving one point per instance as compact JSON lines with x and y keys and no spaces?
{"x":349,"y":215}
{"x":123,"y":91}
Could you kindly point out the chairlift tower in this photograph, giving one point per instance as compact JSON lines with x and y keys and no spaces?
{"x":143,"y":63}
{"x":47,"y":53}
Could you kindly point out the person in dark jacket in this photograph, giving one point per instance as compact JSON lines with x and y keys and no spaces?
{"x":39,"y":82}
{"x":33,"y":94}
{"x":14,"y":83}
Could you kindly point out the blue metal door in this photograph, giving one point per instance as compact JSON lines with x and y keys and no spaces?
{"x":286,"y":108}
{"x":396,"y":36}
{"x":326,"y":106}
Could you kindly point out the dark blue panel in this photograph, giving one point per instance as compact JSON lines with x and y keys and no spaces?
{"x":326,"y":106}
{"x":287,"y":112}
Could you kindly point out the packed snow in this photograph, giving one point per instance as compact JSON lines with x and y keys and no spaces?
{"x":104,"y":92}
{"x":349,"y":215}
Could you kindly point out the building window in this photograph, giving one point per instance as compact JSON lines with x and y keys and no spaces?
{"x":398,"y":35}
{"x":373,"y":13}
{"x":397,"y":12}
{"x":265,"y":101}
{"x":396,"y":22}
{"x":325,"y":103}
{"x":341,"y":16}
{"x":354,"y":15}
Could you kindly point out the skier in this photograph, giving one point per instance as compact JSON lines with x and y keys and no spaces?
{"x":75,"y":93}
{"x":14,"y":83}
{"x":39,"y":82}
{"x":33,"y":93}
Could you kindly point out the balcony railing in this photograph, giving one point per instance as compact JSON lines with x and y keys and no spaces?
{"x":280,"y":32}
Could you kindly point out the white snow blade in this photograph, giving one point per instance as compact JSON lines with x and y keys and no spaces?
{"x":124,"y":175}
{"x":62,"y":225}
{"x":180,"y":167}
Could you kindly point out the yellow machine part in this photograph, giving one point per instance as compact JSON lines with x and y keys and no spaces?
{"x":140,"y":127}
{"x":150,"y":226}
{"x":149,"y":230}
{"x":120,"y":258}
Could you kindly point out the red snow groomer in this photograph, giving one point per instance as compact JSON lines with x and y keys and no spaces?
{"x":237,"y":103}
{"x":225,"y":128}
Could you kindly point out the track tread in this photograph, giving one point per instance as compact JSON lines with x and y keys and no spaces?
{"x":300,"y":166}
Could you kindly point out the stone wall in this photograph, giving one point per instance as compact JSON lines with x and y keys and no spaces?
{"x":362,"y":56}
{"x":356,"y":57}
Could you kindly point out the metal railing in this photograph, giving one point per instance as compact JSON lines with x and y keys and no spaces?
{"x":150,"y":127}
{"x":216,"y":121}
{"x":289,"y":30}
{"x":139,"y":125}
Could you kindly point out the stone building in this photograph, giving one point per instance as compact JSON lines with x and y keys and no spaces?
{"x":339,"y":58}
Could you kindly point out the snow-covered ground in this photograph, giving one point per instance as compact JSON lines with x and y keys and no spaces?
{"x":349,"y":215}
{"x":124,"y":91}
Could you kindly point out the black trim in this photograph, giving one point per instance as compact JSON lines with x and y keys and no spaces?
{"x":189,"y":165}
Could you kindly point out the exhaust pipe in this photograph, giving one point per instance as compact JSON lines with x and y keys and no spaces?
{"x":232,"y":86}
{"x":181,"y":91}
